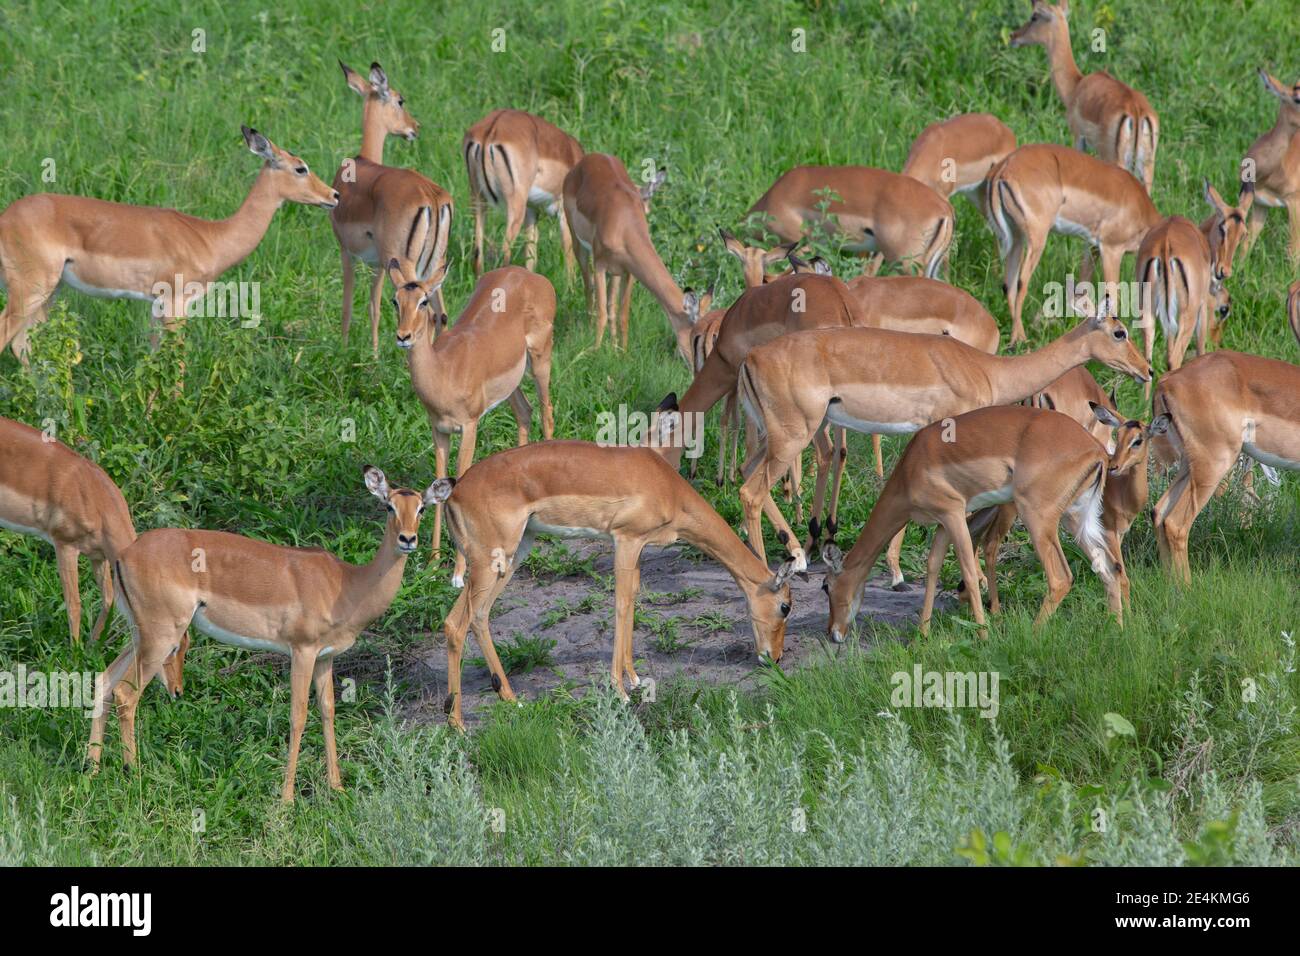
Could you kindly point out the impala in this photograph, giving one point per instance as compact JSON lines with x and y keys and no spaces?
{"x":1041,"y":460}
{"x":505,"y":329}
{"x":756,"y":259}
{"x":48,"y":490}
{"x":874,"y":380}
{"x":517,"y":162}
{"x":113,"y":250}
{"x":1219,"y":406}
{"x":386,"y":213}
{"x":580,"y":490}
{"x":1111,"y":118}
{"x":302,"y":602}
{"x":956,"y":155}
{"x":1274,"y":161}
{"x":895,"y":217}
{"x":1041,"y":189}
{"x":1293,"y":309}
{"x":607,"y":213}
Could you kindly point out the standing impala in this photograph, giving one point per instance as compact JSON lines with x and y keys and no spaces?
{"x":607,"y":213}
{"x":956,"y":155}
{"x":116,"y":251}
{"x":517,"y":162}
{"x":1042,"y":461}
{"x":873,"y":380}
{"x":505,"y":329}
{"x":1042,"y":189}
{"x":301,"y":602}
{"x":1219,"y":406}
{"x":894,"y":217}
{"x":48,"y":490}
{"x":1274,"y":160}
{"x":385,"y":213}
{"x":577,"y":489}
{"x":1111,"y":118}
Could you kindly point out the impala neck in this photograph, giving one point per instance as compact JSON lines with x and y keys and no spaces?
{"x":699,"y":525}
{"x":1065,"y":71}
{"x":239,"y":235}
{"x":887,"y":518}
{"x":373,"y":134}
{"x":373,"y":586}
{"x":420,"y":359}
{"x":1016,"y":377}
{"x":651,"y":272}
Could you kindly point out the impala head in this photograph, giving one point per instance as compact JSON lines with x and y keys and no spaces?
{"x":293,"y":180}
{"x":384,"y":105}
{"x":769,"y":606}
{"x":404,"y":508}
{"x":755,"y":259}
{"x":843,"y":595}
{"x":1229,"y":227}
{"x":1131,"y":439}
{"x":1221,"y":303}
{"x":1288,"y":95}
{"x":649,"y":189}
{"x":1109,"y":342}
{"x":1046,"y":22}
{"x":695,"y":304}
{"x":415,"y":301}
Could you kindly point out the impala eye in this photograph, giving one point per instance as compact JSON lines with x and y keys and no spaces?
{"x":401,"y":101}
{"x":1121,"y":334}
{"x":301,"y":170}
{"x":785,"y":608}
{"x":391,"y":509}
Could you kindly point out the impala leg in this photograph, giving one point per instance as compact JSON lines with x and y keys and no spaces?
{"x":480,"y":210}
{"x":627,"y":557}
{"x":629,"y":670}
{"x":823,"y":455}
{"x":516,"y":213}
{"x":837,"y":479}
{"x":938,"y":551}
{"x":724,"y":429}
{"x":105,"y":685}
{"x":625,"y":308}
{"x":1047,"y":542}
{"x":323,"y":678}
{"x":465,"y":458}
{"x":794,"y":487}
{"x":67,"y":557}
{"x":26,"y":307}
{"x":1202,"y":470}
{"x":376,"y":304}
{"x":762,"y":471}
{"x":894,"y":558}
{"x":104,"y":578}
{"x":566,"y":242}
{"x":1293,"y":219}
{"x":1148,"y":340}
{"x":1028,"y":264}
{"x":1202,"y":327}
{"x":879,"y":456}
{"x":156,"y":643}
{"x":1254,"y":226}
{"x":523,"y":413}
{"x":955,"y":524}
{"x":441,"y":453}
{"x":602,"y":315}
{"x":349,"y":283}
{"x":873,"y":264}
{"x":539,"y":360}
{"x":1006,"y":517}
{"x":530,"y":239}
{"x":300,"y":673}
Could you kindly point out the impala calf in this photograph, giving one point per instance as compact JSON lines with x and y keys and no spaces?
{"x":577,"y":489}
{"x":116,"y":251}
{"x":1220,"y":406}
{"x":1042,"y":461}
{"x":505,"y":329}
{"x":302,"y":602}
{"x":895,"y":217}
{"x":1111,"y":118}
{"x":607,"y":213}
{"x":1274,"y":163}
{"x":517,"y":162}
{"x":384,"y":212}
{"x":956,"y":155}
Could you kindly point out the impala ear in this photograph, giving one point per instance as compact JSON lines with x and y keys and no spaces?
{"x":258,"y":144}
{"x":437,"y":278}
{"x":1212,"y":196}
{"x":731,"y":243}
{"x":834,"y":558}
{"x":1099,"y":320}
{"x":777,"y":253}
{"x":1272,"y":85}
{"x":782,"y":576}
{"x":439,"y":491}
{"x":650,"y":188}
{"x":1160,"y":424}
{"x":379,"y":79}
{"x":1105,"y":415}
{"x":691,"y":305}
{"x":355,"y":80}
{"x":375,"y":481}
{"x":395,"y":273}
{"x":820,"y":266}
{"x":669,"y":416}
{"x":706,"y":299}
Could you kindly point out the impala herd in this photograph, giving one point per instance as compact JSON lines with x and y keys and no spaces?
{"x":803,"y":356}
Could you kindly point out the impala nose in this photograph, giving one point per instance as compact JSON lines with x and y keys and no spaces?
{"x":406,"y":543}
{"x":403,"y":340}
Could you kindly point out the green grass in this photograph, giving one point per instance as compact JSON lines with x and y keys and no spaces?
{"x":257,"y":444}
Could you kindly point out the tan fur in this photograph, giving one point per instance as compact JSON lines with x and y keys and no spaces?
{"x":1275,"y":157}
{"x":957,"y":154}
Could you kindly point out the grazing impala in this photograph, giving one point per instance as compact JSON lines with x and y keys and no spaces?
{"x":1041,"y":189}
{"x":1219,"y":406}
{"x":874,"y":380}
{"x":1111,"y":118}
{"x":118,"y":251}
{"x":956,"y":155}
{"x":48,"y":490}
{"x":1274,"y":161}
{"x":894,"y":217}
{"x":505,"y":329}
{"x":302,"y":602}
{"x":580,"y":490}
{"x":607,"y":213}
{"x":386,"y":213}
{"x":517,"y":162}
{"x":1041,"y":460}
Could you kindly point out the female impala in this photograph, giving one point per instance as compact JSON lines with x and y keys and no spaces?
{"x":956,"y":155}
{"x":792,"y":385}
{"x":504,"y":330}
{"x":896,"y":217}
{"x":1115,"y":120}
{"x":118,"y":251}
{"x":48,"y":490}
{"x":607,"y":213}
{"x":1219,"y":406}
{"x":1275,"y":161}
{"x":1042,"y":461}
{"x":517,"y":162}
{"x":302,"y":602}
{"x":1043,"y":189}
{"x":385,"y":213}
{"x":580,"y":490}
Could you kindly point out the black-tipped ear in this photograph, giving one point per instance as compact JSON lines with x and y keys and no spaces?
{"x":1105,"y":415}
{"x":669,"y":404}
{"x":439,"y":491}
{"x":258,"y":144}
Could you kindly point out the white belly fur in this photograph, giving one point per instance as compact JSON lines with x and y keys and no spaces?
{"x":999,"y":496}
{"x":1273,"y":461}
{"x":71,"y":279}
{"x":836,"y":415}
{"x":537,"y":527}
{"x":22,"y":529}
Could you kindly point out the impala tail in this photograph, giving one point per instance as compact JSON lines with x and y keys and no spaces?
{"x":937,"y":252}
{"x":1087,"y":513}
